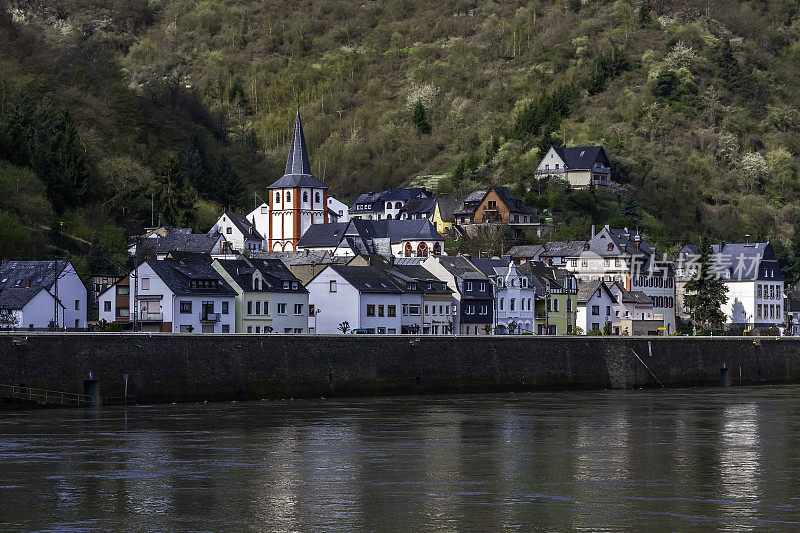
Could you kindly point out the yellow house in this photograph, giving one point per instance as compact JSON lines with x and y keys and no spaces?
{"x":442,"y":216}
{"x":557,"y":306}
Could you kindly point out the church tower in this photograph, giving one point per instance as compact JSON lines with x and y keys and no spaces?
{"x":297,"y":200}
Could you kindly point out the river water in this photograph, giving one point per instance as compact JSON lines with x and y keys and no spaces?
{"x":696,"y":459}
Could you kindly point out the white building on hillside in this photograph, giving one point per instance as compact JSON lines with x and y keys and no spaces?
{"x":30,"y":307}
{"x":339,"y":211}
{"x":239,"y":232}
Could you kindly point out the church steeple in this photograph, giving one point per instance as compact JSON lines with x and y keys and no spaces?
{"x":297,"y":163}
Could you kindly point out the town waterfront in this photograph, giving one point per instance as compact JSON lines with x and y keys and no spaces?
{"x":675,"y":459}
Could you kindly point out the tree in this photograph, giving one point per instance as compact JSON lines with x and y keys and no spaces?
{"x":706,"y":292}
{"x":607,"y":328}
{"x":420,"y":118}
{"x":630,"y":209}
{"x":8,"y":320}
{"x":194,"y":165}
{"x":69,"y":186}
{"x":344,"y":327}
{"x":175,"y":196}
{"x":228,"y":187}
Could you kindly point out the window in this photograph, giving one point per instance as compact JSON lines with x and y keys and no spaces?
{"x":332,"y":287}
{"x":407,"y":249}
{"x":258,"y":329}
{"x":370,"y":310}
{"x":316,"y":199}
{"x":595,"y":325}
{"x":77,"y":304}
{"x":437,"y":248}
{"x":266,"y":307}
{"x":608,"y":310}
{"x":771,"y":292}
{"x":249,"y":308}
{"x":513,"y":301}
{"x":391,"y":310}
{"x":186,"y":308}
{"x":288,"y":196}
{"x":502,"y":300}
{"x":145,"y":284}
{"x":277,"y":197}
{"x":305,"y":196}
{"x":758,"y":290}
{"x":427,"y":312}
{"x":123,"y":312}
{"x":467,"y":285}
{"x":123,"y":290}
{"x":298,"y":309}
{"x":380,"y":310}
{"x":258,"y":308}
{"x":226,"y":328}
{"x":422,"y":250}
{"x":758,"y":311}
{"x":483,"y":286}
{"x":107,"y":306}
{"x":610,"y":247}
{"x":484,"y":310}
{"x":569,"y":305}
{"x":555,"y":305}
{"x":282,"y":309}
{"x":224,"y":308}
{"x":249,"y":329}
{"x":311,"y":309}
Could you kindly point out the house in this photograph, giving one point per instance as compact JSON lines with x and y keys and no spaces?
{"x":405,"y":238}
{"x":556,"y":253}
{"x":514,"y":295}
{"x":240,"y":234}
{"x":386,"y":205}
{"x":154,"y":233}
{"x":213,"y":244}
{"x":791,"y":308}
{"x":30,"y":308}
{"x":114,"y":303}
{"x":443,"y":215}
{"x":500,"y":205}
{"x":297,"y":200}
{"x":626,"y":312}
{"x":305,"y":264}
{"x":357,"y":299}
{"x":581,"y":166}
{"x":525,"y":252}
{"x":418,"y":208}
{"x":61,"y":281}
{"x":472,"y":292}
{"x":427,"y":302}
{"x":338,"y":211}
{"x":465,"y":212}
{"x":596,"y":306}
{"x":624,"y":256}
{"x":179,"y":296}
{"x":269,"y":298}
{"x":557,"y":314}
{"x":752,"y":275}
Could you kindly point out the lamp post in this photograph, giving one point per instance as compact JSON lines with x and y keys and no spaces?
{"x":316,"y":312}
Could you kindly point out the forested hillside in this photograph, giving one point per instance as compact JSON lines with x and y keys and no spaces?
{"x":116,"y":111}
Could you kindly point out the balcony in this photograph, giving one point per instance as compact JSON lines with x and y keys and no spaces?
{"x":151,"y":317}
{"x":209,"y":317}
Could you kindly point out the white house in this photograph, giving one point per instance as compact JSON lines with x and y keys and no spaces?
{"x":175,"y":296}
{"x":386,"y":205}
{"x":61,"y":281}
{"x":297,"y":200}
{"x":595,"y":306}
{"x":752,"y":276}
{"x":270,"y":299}
{"x":239,"y":233}
{"x":338,"y":211}
{"x":514,"y":295}
{"x":401,"y":238}
{"x":364,"y":297}
{"x":579,"y":165}
{"x":31,"y":307}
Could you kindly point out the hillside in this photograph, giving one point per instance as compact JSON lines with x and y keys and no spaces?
{"x":695,"y":101}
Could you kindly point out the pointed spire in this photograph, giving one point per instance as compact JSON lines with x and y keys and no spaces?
{"x":297,"y":162}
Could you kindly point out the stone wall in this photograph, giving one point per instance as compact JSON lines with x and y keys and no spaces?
{"x":177,"y":368}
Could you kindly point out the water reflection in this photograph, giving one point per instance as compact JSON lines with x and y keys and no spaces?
{"x":652,"y":460}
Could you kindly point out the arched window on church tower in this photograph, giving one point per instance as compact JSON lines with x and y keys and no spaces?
{"x":288,"y":197}
{"x":408,"y":249}
{"x":422,"y":250}
{"x":305,"y":197}
{"x":277,"y":197}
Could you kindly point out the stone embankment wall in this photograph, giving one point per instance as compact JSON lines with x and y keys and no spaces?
{"x":179,"y":368}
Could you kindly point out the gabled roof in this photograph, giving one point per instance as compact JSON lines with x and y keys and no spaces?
{"x":461,"y":267}
{"x":303,"y":257}
{"x":525,"y":250}
{"x":555,"y":277}
{"x":364,"y":235}
{"x":405,"y":273}
{"x":424,"y":206}
{"x":469,"y":203}
{"x":193,"y":242}
{"x":792,"y":301}
{"x":33,"y":273}
{"x":447,"y":206}
{"x":511,"y":201}
{"x":581,"y":157}
{"x":368,"y":279}
{"x":298,"y":168}
{"x":489,"y":266}
{"x":244,"y":226}
{"x":178,"y":275}
{"x":16,"y":298}
{"x":563,"y":248}
{"x":738,"y":261}
{"x":273,"y":271}
{"x":632,"y":297}
{"x":587,"y":289}
{"x":391,"y":195}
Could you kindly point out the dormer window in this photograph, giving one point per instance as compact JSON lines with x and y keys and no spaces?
{"x":610,"y":247}
{"x":586,"y":246}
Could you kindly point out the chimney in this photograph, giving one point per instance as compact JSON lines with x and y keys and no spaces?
{"x":391,"y":260}
{"x":593,"y":230}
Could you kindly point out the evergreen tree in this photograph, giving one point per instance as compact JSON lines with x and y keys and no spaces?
{"x":15,"y":130}
{"x":174,"y":194}
{"x":706,"y":292}
{"x":227,"y":185}
{"x":70,"y":183}
{"x":794,"y":252}
{"x":420,"y":118}
{"x":630,"y":209}
{"x":194,"y":165}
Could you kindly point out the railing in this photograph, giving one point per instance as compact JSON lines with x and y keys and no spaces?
{"x":42,"y":396}
{"x":151,"y":317}
{"x":209,"y":317}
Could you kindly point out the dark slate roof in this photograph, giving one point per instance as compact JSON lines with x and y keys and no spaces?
{"x":362,"y":234}
{"x":177,"y":275}
{"x":738,"y":261}
{"x":391,"y":195}
{"x":303,"y":257}
{"x":525,"y":250}
{"x":563,"y":248}
{"x":16,"y":298}
{"x":448,"y":206}
{"x":469,"y":203}
{"x":511,"y":201}
{"x":582,"y":157}
{"x":461,"y":266}
{"x":424,"y":206}
{"x":368,"y":279}
{"x":244,"y":225}
{"x":39,"y":273}
{"x":488,"y":265}
{"x":273,"y":271}
{"x":298,"y":168}
{"x":193,"y":242}
{"x":793,"y":301}
{"x":632,"y":297}
{"x":588,"y":288}
{"x":554,"y":277}
{"x":405,"y":273}
{"x":628,"y":243}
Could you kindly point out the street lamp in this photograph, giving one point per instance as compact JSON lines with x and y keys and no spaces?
{"x":316,"y":312}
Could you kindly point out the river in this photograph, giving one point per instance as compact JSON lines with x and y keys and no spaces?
{"x":726,"y":459}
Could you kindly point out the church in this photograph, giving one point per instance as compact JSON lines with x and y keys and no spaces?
{"x":297,"y":200}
